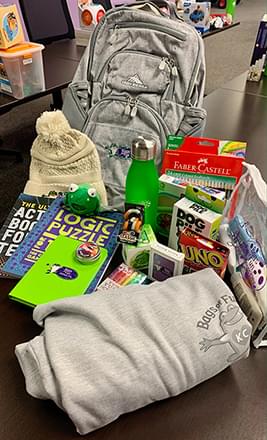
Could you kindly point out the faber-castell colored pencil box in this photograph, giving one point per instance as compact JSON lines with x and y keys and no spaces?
{"x":203,"y":161}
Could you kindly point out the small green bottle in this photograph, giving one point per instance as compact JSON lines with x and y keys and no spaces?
{"x":230,"y":10}
{"x":142,"y":181}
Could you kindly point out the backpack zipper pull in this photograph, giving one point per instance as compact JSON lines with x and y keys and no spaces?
{"x":134,"y":109}
{"x":83,"y":98}
{"x":162,"y":64}
{"x":127,"y":110}
{"x":174,"y":71}
{"x":114,"y":34}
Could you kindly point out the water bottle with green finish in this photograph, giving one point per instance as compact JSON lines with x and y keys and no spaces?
{"x":230,"y":9}
{"x":142,"y":181}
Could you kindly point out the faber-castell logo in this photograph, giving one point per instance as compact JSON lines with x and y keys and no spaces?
{"x":203,"y":160}
{"x":201,"y":167}
{"x":134,"y":81}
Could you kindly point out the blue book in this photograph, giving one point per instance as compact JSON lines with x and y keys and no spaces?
{"x":102,"y":229}
{"x":25,"y":213}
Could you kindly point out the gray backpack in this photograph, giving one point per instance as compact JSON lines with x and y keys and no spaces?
{"x":143,"y":73}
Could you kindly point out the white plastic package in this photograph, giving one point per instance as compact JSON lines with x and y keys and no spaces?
{"x":244,"y":231}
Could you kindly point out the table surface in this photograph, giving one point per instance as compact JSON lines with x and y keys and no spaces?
{"x":239,"y":116}
{"x":216,"y":31}
{"x":230,"y":406}
{"x":240,"y":84}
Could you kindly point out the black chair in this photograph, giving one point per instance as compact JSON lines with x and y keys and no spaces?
{"x":105,"y":3}
{"x":47,"y":20}
{"x":15,"y":154}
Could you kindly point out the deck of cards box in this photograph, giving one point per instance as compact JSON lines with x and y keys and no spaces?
{"x":200,"y":253}
{"x":138,"y":256}
{"x":164,"y":262}
{"x":171,"y":190}
{"x":195,"y":216}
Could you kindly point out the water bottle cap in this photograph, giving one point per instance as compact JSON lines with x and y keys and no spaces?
{"x":143,"y":149}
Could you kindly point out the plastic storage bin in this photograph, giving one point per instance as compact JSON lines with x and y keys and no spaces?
{"x":21,"y":70}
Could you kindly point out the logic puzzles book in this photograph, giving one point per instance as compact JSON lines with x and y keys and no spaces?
{"x":101,"y":229}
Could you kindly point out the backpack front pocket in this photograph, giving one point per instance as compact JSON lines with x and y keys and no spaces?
{"x":137,"y":72}
{"x":112,"y":125}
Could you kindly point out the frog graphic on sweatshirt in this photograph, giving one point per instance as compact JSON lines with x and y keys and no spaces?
{"x":233,"y":333}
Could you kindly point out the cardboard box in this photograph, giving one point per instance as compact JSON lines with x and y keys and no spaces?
{"x":259,"y":52}
{"x":164,"y":262}
{"x":204,"y":161}
{"x":170,"y":191}
{"x":138,"y":256}
{"x":198,"y":218}
{"x":11,"y":31}
{"x":211,"y":198}
{"x":200,"y":253}
{"x":197,"y":14}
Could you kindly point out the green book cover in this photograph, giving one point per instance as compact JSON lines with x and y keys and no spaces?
{"x":57,"y":274}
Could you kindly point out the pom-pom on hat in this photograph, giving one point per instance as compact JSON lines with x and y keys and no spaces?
{"x":61,"y":155}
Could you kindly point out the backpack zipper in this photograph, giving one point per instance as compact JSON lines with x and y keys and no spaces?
{"x":164,"y":61}
{"x":140,"y":52}
{"x":123,"y":25}
{"x":193,"y":78}
{"x":131,"y":107}
{"x":92,"y":46}
{"x":134,"y":104}
{"x":156,"y":27}
{"x":141,"y":25}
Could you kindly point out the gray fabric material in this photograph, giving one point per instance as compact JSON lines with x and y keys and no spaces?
{"x":105,"y":354}
{"x":143,"y":74}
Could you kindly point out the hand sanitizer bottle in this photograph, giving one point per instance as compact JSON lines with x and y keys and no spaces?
{"x":142,"y":181}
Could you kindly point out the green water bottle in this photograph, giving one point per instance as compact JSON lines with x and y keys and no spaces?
{"x":230,"y":10}
{"x":142,"y":181}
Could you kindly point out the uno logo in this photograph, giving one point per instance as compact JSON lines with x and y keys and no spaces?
{"x":202,"y":256}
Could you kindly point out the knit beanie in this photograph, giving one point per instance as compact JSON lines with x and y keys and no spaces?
{"x":60,"y":156}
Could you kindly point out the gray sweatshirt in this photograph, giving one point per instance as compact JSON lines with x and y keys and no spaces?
{"x":111,"y":352}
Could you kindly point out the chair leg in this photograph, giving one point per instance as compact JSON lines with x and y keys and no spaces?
{"x":57,"y":100}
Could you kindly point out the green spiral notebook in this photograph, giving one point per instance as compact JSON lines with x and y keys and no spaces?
{"x":57,"y":274}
